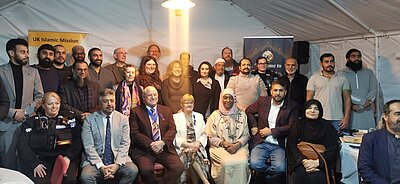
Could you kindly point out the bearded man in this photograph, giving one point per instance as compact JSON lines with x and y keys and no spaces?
{"x":363,"y":85}
{"x":24,"y":89}
{"x":48,"y":74}
{"x":79,"y":95}
{"x":102,"y":76}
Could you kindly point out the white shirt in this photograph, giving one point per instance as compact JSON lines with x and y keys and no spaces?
{"x":221,"y":80}
{"x":273,"y":114}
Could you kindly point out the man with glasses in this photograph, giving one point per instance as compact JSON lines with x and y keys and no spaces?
{"x":117,"y":68}
{"x":267,"y":75}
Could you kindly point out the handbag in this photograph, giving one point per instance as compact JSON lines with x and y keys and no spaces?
{"x":311,"y":150}
{"x":314,"y":152}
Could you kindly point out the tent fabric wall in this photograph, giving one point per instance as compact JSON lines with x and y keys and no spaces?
{"x":133,"y":24}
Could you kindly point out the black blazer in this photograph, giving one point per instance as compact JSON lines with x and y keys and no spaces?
{"x":70,"y":101}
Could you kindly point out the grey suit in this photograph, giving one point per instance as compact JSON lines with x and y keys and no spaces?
{"x":32,"y":94}
{"x":93,"y":137}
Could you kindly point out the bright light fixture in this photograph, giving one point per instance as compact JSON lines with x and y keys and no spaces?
{"x":178,"y":4}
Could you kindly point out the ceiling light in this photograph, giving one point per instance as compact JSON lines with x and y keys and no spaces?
{"x":178,"y":4}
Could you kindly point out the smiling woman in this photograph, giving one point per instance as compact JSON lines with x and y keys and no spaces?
{"x":175,"y":86}
{"x":46,"y":136}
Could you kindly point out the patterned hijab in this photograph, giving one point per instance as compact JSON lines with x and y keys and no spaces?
{"x":221,"y":107}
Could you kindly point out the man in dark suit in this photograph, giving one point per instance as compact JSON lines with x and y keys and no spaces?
{"x":275,"y":117}
{"x":79,"y":95}
{"x":105,"y":137}
{"x":24,"y":89}
{"x":379,"y":158}
{"x":152,"y":133}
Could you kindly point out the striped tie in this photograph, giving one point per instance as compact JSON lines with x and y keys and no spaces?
{"x":156,"y":129}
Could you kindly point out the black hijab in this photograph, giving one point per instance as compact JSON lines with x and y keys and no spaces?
{"x":312,"y":128}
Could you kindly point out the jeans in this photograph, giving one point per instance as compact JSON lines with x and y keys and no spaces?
{"x":264,"y":151}
{"x":335,"y":124}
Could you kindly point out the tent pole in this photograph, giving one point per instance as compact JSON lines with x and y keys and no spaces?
{"x":376,"y":37}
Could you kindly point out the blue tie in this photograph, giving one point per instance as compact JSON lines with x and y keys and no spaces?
{"x":108,"y":154}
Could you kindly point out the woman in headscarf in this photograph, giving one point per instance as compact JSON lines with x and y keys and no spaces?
{"x":175,"y":86}
{"x":228,"y":133}
{"x":312,"y":129}
{"x":128,"y":94}
{"x":190,"y":142}
{"x":149,"y":75}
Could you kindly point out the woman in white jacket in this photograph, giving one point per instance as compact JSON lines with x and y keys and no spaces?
{"x":190,"y":141}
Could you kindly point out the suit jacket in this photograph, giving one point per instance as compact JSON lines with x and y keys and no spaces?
{"x":4,"y":101}
{"x":373,"y":158}
{"x":31,"y":95}
{"x":115,"y":70}
{"x":70,"y":100}
{"x":141,"y":130}
{"x":93,"y":136}
{"x":288,"y":114}
{"x":181,"y":129}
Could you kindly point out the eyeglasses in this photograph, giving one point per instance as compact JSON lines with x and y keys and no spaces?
{"x":261,"y":63}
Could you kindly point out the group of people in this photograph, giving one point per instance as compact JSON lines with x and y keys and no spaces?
{"x":218,"y":123}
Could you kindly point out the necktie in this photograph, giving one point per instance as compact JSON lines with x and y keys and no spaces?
{"x":156,"y":129}
{"x":108,"y":154}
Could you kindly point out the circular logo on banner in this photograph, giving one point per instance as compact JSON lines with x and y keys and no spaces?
{"x":268,"y":55}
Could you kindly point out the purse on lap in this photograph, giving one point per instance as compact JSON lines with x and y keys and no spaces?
{"x":314,"y":152}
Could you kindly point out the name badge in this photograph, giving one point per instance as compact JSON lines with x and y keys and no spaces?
{"x":60,"y":127}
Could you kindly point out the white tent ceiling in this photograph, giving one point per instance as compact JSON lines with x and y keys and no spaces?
{"x":323,"y":19}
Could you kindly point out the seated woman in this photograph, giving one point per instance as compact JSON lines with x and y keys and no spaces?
{"x":46,"y":136}
{"x":175,"y":86}
{"x":312,"y":129}
{"x":128,"y":94}
{"x":190,"y":141}
{"x":228,"y":133}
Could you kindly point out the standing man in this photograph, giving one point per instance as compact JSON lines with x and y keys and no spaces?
{"x":267,"y":75}
{"x":79,"y":95}
{"x":24,"y":89}
{"x":220,"y":74}
{"x":188,"y":70}
{"x":331,"y":89}
{"x":247,"y":87}
{"x":154,"y":51}
{"x":105,"y":136}
{"x":48,"y":74}
{"x":363,"y":86}
{"x":102,"y":76}
{"x":379,"y":158}
{"x":231,"y":66}
{"x":117,"y":68}
{"x":152,"y":132}
{"x":275,"y":117}
{"x":297,"y":83}
{"x":78,"y":53}
{"x":59,"y":63}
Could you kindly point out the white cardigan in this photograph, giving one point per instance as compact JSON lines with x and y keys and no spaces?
{"x":181,"y":134}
